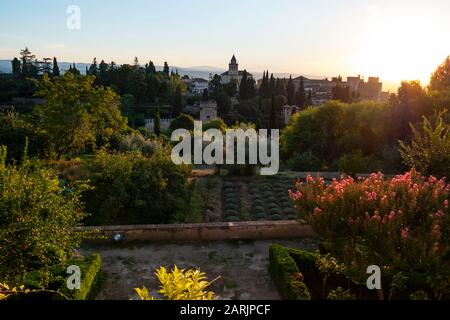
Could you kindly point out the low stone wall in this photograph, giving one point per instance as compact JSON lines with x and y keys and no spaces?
{"x":249,"y":230}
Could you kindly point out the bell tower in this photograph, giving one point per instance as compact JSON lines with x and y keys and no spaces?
{"x":233,"y":67}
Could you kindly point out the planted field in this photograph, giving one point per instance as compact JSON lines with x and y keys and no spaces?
{"x":250,"y":199}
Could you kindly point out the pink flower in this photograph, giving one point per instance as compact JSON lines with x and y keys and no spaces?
{"x":436,"y":247}
{"x":317,"y":210}
{"x":404,"y":233}
{"x":440,"y":214}
{"x":446,"y":203}
{"x":436,"y":230}
{"x":392,"y":215}
{"x":295,"y":195}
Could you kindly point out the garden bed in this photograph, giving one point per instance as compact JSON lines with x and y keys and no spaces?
{"x":53,"y":283}
{"x":297,"y":276}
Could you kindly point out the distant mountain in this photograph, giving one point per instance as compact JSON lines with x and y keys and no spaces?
{"x":193,"y":72}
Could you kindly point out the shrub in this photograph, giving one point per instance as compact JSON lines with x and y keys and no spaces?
{"x":275,"y":211}
{"x":231,"y":213}
{"x":133,"y":189}
{"x":354,"y":163}
{"x":286,"y":274}
{"x":231,"y":206}
{"x":260,"y":216}
{"x":180,"y":285}
{"x":232,"y":219}
{"x":36,"y":219}
{"x":276,"y":217}
{"x":401,"y":223}
{"x":429,"y":150}
{"x":258,"y":208}
{"x":304,"y":161}
{"x":137,"y":142}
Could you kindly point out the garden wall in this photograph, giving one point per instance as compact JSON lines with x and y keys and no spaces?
{"x":249,"y":230}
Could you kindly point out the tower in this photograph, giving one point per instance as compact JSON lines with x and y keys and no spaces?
{"x":233,"y":67}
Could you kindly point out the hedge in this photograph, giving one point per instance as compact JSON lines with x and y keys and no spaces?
{"x":284,"y":271}
{"x":56,"y":277}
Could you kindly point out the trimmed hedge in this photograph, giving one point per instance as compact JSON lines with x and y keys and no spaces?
{"x":56,"y":277}
{"x":285,"y":272}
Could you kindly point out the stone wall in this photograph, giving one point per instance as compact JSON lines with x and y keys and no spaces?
{"x":249,"y":230}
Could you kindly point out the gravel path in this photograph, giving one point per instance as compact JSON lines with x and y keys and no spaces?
{"x":241,"y":265}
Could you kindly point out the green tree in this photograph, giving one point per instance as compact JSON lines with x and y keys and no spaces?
{"x":273,"y":117}
{"x":300,"y":95}
{"x":166,"y":69}
{"x":205,"y":95}
{"x":16,"y":66}
{"x":183,"y":121}
{"x":56,"y":72}
{"x":429,"y":149}
{"x":223,"y":103}
{"x":309,"y":101}
{"x":77,"y":115}
{"x":290,"y":92}
{"x":157,"y":124}
{"x":93,"y":68}
{"x":440,"y":79}
{"x":37,"y":217}
{"x":177,"y":103}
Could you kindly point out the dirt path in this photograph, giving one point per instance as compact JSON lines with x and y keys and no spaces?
{"x":242,"y":265}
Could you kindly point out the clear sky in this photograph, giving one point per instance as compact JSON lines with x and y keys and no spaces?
{"x":393,"y":39}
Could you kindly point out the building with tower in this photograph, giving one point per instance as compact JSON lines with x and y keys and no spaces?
{"x":233,"y":73}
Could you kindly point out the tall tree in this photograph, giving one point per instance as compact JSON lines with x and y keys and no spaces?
{"x":16,"y":66}
{"x":166,"y":69}
{"x":177,"y":102}
{"x":272,"y":85}
{"x":28,"y":68}
{"x":93,"y":68}
{"x":440,"y":79}
{"x":243,"y":89}
{"x":103,"y":73}
{"x":273,"y":116}
{"x":157,"y":124}
{"x":290,"y":92}
{"x":150,"y":68}
{"x":300,"y":95}
{"x":56,"y":71}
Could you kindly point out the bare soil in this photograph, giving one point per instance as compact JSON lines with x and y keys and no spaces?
{"x":241,"y":265}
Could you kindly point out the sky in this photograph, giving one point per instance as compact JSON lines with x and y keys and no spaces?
{"x":393,"y":39}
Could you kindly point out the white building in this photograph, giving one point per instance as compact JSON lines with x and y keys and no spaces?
{"x":233,"y":73}
{"x":196,"y":86}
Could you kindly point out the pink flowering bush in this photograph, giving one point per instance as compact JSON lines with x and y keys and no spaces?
{"x":400,"y":224}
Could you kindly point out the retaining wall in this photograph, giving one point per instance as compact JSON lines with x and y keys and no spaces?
{"x":249,"y":230}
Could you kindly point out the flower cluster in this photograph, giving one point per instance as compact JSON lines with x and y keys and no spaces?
{"x":401,"y":223}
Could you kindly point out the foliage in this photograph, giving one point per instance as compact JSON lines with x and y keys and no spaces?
{"x":183,"y":121}
{"x":180,"y":284}
{"x":36,"y":218}
{"x":130,"y":188}
{"x":286,"y":274}
{"x":402,"y":224}
{"x":137,"y":142}
{"x":78,"y":115}
{"x":440,"y":79}
{"x":304,"y":161}
{"x":429,"y":150}
{"x":340,"y":294}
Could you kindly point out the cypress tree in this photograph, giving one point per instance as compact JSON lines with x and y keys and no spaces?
{"x":56,"y":71}
{"x":290,"y":92}
{"x":166,"y":69}
{"x":273,"y":117}
{"x":157,"y":124}
{"x":243,"y":90}
{"x":93,"y":68}
{"x":177,"y":103}
{"x":16,"y":66}
{"x":300,"y":96}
